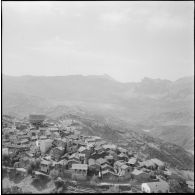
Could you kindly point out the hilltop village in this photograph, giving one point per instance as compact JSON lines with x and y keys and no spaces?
{"x":60,"y":151}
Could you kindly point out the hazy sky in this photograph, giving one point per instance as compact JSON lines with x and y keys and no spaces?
{"x":127,"y":40}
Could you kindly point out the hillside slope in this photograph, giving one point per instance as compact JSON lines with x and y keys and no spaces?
{"x":149,"y":104}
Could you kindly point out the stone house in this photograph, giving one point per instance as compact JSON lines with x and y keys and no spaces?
{"x":24,"y":141}
{"x":158,"y":163}
{"x":71,"y":162}
{"x":81,"y":143}
{"x":66,"y":133}
{"x":24,"y":137}
{"x":44,"y":145}
{"x":190,"y":185}
{"x":125,"y":171}
{"x":48,"y":134}
{"x":33,"y":133}
{"x":148,"y":164}
{"x":107,"y":167}
{"x":73,"y":137}
{"x":109,"y":176}
{"x":132,"y":162}
{"x":45,"y":166}
{"x":98,"y":149}
{"x":61,"y":165}
{"x":100,"y":143}
{"x":53,"y":129}
{"x":122,"y":150}
{"x":123,"y":157}
{"x":60,"y":142}
{"x":5,"y":151}
{"x":109,"y":147}
{"x":140,"y":176}
{"x":42,"y":131}
{"x":33,"y":139}
{"x":71,"y":146}
{"x":80,"y":169}
{"x":43,"y":137}
{"x":94,"y":168}
{"x":117,"y":165}
{"x":82,"y":158}
{"x":98,"y":155}
{"x":65,"y":156}
{"x":57,"y":152}
{"x":130,"y":154}
{"x":24,"y":162}
{"x":74,"y":156}
{"x":110,"y":159}
{"x":13,"y":139}
{"x":55,"y":135}
{"x":84,"y":150}
{"x":101,"y":161}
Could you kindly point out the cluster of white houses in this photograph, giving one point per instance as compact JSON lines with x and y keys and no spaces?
{"x":62,"y":147}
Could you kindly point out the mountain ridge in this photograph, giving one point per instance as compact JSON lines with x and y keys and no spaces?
{"x":151,"y":102}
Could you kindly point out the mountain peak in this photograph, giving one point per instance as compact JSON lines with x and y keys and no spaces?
{"x":104,"y":76}
{"x":108,"y":77}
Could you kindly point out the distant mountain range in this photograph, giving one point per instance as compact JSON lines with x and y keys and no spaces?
{"x":163,"y":107}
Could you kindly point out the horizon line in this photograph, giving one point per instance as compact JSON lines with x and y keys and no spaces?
{"x":100,"y":75}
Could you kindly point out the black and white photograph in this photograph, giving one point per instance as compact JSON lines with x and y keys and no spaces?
{"x":97,"y":97}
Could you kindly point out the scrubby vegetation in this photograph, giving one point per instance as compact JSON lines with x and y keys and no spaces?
{"x":41,"y":182}
{"x":178,"y":186}
{"x":13,"y":190}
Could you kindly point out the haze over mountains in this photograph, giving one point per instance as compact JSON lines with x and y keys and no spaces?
{"x":158,"y":107}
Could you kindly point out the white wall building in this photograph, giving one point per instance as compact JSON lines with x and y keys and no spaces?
{"x":44,"y":145}
{"x":155,"y":187}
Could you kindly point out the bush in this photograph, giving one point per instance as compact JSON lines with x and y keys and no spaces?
{"x":6,"y":160}
{"x":152,"y":175}
{"x":37,"y":153}
{"x":59,"y":183}
{"x":16,"y":165}
{"x":6,"y":135}
{"x":114,"y":189}
{"x":178,"y":186}
{"x":54,"y":174}
{"x":41,"y":182}
{"x":29,"y":170}
{"x":94,"y":180}
{"x":32,"y":165}
{"x":37,"y":163}
{"x":16,"y":190}
{"x":74,"y":177}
